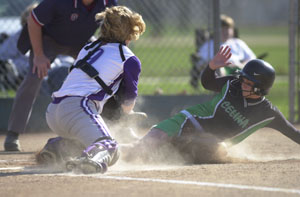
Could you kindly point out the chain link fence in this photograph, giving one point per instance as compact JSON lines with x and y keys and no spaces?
{"x":164,"y":49}
{"x":294,"y":60}
{"x":169,"y":41}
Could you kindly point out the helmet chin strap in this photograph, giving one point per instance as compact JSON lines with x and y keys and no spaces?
{"x":238,"y":90}
{"x":255,"y":91}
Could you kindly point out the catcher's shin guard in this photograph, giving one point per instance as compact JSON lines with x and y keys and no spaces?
{"x":96,"y":158}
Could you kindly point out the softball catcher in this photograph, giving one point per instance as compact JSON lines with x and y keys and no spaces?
{"x":85,"y":143}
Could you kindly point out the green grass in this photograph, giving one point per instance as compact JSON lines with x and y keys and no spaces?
{"x":274,"y":41}
{"x":171,"y":52}
{"x":166,"y":61}
{"x":277,"y":57}
{"x":279,"y":95}
{"x":9,"y":94}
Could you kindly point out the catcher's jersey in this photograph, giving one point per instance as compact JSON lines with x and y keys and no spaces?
{"x":108,"y":62}
{"x":230,"y":116}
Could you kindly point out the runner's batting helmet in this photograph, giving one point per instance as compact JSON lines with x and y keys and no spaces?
{"x":261,"y":73}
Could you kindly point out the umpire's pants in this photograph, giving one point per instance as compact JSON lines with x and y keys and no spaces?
{"x":30,"y":86}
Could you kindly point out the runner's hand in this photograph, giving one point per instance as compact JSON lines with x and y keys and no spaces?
{"x":221,"y":58}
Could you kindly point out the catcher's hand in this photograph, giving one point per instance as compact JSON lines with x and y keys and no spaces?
{"x":134,"y":117}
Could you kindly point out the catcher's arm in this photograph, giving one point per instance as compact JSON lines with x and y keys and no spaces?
{"x":128,"y":108}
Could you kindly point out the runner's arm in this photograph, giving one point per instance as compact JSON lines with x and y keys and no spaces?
{"x":281,"y":124}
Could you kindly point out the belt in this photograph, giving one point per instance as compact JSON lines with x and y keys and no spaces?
{"x":57,"y":100}
{"x":195,"y":123}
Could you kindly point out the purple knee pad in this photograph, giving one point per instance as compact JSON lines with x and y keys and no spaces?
{"x":104,"y":151}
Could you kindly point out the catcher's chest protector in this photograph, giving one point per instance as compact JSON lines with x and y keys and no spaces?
{"x":90,"y":70}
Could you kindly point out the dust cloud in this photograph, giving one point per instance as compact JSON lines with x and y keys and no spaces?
{"x":251,"y":152}
{"x":128,"y":133}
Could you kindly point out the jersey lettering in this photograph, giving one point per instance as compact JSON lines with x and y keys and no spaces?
{"x":96,"y":56}
{"x":241,"y":120}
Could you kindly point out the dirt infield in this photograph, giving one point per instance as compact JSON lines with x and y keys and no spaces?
{"x":272,"y":169}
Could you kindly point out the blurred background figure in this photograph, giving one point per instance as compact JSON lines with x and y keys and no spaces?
{"x":241,"y":53}
{"x":14,"y":65}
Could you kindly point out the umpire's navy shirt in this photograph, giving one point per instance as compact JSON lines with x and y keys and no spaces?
{"x":69,"y":22}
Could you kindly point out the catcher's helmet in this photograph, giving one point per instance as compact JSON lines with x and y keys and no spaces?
{"x":261,"y":73}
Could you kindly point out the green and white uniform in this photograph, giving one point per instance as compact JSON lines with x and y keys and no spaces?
{"x":228,"y":116}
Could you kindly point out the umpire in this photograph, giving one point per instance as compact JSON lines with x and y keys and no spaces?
{"x":55,"y":27}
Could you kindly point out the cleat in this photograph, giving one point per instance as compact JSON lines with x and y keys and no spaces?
{"x":73,"y":164}
{"x":85,"y":166}
{"x":46,"y":157}
{"x":59,"y":152}
{"x":96,"y":158}
{"x":12,"y":142}
{"x":12,"y":146}
{"x":90,"y":167}
{"x":49,"y":155}
{"x":70,"y":166}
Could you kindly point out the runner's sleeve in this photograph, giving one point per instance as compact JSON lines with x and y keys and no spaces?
{"x":281,"y":124}
{"x":211,"y":82}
